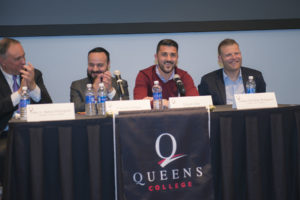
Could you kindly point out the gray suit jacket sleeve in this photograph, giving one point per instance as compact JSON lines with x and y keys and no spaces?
{"x":77,"y":93}
{"x":118,"y":93}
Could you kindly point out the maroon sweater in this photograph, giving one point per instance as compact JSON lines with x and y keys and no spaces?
{"x":145,"y":80}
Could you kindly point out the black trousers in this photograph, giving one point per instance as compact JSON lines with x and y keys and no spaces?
{"x":3,"y":149}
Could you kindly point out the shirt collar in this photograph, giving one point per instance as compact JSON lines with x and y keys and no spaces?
{"x":6,"y":75}
{"x":226,"y":77}
{"x":9,"y":77}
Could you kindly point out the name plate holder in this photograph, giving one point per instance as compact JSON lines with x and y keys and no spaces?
{"x":114,"y":107}
{"x":50,"y":112}
{"x":255,"y":100}
{"x":190,"y":102}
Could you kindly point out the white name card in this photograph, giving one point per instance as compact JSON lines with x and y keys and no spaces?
{"x":255,"y":100}
{"x":50,"y":112}
{"x":127,"y":105}
{"x":189,"y":102}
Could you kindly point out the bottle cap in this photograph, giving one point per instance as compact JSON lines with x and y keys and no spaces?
{"x":24,"y":88}
{"x":250,"y":77}
{"x":156,"y":82}
{"x":101,"y":84}
{"x":89,"y":85}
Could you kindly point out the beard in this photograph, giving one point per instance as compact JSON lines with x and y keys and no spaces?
{"x":162,"y":68}
{"x":90,"y":75}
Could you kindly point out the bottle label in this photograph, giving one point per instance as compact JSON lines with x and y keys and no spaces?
{"x":101,"y":99}
{"x":89,"y":99}
{"x":157,"y":96}
{"x":250,"y":90}
{"x":24,"y":102}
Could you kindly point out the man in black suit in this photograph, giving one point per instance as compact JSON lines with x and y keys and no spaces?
{"x":222,"y":84}
{"x":97,"y":71}
{"x":13,"y":70}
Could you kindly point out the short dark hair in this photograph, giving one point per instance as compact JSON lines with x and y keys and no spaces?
{"x":167,"y":42}
{"x":5,"y":43}
{"x":99,"y":50}
{"x":226,"y":42}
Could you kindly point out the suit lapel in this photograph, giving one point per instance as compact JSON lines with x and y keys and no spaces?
{"x":245,"y":77}
{"x":221,"y":86}
{"x":5,"y":89}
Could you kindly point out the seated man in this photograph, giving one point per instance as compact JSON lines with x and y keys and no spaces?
{"x":222,"y":84}
{"x":166,"y":57}
{"x":14,"y":74}
{"x":97,"y":71}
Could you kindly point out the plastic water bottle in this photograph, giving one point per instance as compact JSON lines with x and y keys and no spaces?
{"x":90,"y":107}
{"x":101,"y":99}
{"x":25,"y":100}
{"x":250,"y":85}
{"x":157,"y":96}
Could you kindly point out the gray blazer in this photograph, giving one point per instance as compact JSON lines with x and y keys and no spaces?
{"x":78,"y":88}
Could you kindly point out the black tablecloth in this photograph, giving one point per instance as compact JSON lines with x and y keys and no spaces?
{"x":61,"y":160}
{"x":255,"y":155}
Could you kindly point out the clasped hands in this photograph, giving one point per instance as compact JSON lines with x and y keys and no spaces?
{"x":105,"y":78}
{"x":27,"y":77}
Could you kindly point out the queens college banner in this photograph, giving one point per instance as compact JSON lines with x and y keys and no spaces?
{"x":163,"y":155}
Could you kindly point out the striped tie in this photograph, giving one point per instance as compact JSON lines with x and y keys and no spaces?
{"x":15,"y":84}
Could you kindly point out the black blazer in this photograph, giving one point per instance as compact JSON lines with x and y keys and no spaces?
{"x":213,"y":84}
{"x":6,"y":106}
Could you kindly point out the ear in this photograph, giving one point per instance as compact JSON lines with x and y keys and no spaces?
{"x":108,"y":66}
{"x":220,"y":62}
{"x":156,"y":60}
{"x":2,"y":61}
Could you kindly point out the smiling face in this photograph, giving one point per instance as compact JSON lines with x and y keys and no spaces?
{"x":97,"y":63}
{"x":166,"y":58}
{"x":230,"y":57}
{"x":14,"y":59}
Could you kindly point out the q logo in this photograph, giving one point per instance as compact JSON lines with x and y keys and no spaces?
{"x":166,"y":160}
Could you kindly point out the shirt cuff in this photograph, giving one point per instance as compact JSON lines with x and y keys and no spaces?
{"x":35,"y":94}
{"x":111,"y":94}
{"x":15,"y":98}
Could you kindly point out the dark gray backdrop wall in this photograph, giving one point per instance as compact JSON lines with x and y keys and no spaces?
{"x":28,"y":18}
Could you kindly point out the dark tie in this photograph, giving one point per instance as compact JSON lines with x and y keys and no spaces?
{"x":15,"y":84}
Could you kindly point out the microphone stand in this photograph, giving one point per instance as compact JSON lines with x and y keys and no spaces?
{"x":120,"y":92}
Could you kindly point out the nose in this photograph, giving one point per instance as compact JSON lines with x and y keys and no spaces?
{"x":23,"y":61}
{"x":95,"y":68}
{"x":169,"y":57}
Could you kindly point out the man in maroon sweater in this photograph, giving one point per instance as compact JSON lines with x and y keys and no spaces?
{"x":166,"y":58}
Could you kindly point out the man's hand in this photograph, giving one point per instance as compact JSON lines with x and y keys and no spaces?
{"x":27,"y":74}
{"x":165,"y":102}
{"x":97,"y":80}
{"x":106,"y":79}
{"x":150,"y":98}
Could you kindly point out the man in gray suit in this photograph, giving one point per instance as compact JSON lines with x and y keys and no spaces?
{"x":222,"y":84}
{"x":98,"y":71}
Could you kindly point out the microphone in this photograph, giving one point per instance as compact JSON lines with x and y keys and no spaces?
{"x":179,"y":84}
{"x":119,"y":82}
